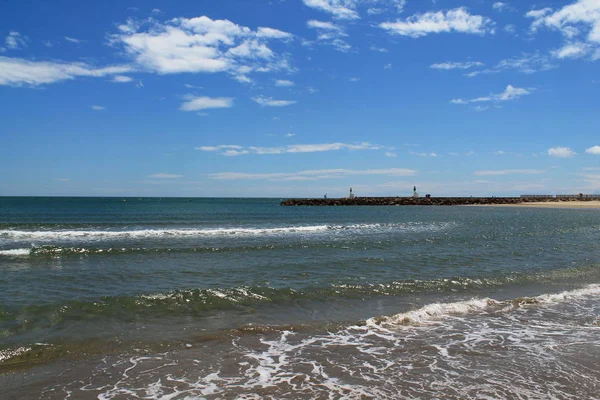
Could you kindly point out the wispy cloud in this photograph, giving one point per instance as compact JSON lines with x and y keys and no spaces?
{"x":19,"y":72}
{"x":73,"y":40}
{"x":457,"y":65}
{"x":330,"y":34}
{"x":97,"y":107}
{"x":501,"y":6}
{"x":379,"y":49}
{"x":455,"y":20}
{"x":338,"y":9}
{"x":165,"y":176}
{"x":510,"y":93}
{"x":527,"y":63}
{"x":15,"y":41}
{"x":270,"y":102}
{"x":294,"y":148}
{"x":311,"y":174}
{"x":121,"y":79}
{"x":509,"y":172}
{"x":284,"y":83}
{"x":197,"y":103}
{"x":561,"y":152}
{"x":414,"y":153}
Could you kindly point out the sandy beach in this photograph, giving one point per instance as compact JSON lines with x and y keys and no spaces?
{"x":551,"y":204}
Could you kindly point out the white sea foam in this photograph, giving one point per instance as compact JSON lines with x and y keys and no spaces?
{"x":15,"y":252}
{"x":437,"y":311}
{"x":527,"y":354}
{"x":241,"y":231}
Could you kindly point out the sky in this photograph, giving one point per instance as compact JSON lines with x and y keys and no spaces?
{"x":298,"y":98}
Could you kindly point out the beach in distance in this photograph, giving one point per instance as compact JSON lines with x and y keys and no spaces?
{"x":550,"y":204}
{"x":219,"y":298}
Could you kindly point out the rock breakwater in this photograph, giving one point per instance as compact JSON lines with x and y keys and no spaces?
{"x":404,"y":201}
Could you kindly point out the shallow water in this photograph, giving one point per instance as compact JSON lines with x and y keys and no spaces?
{"x":242,"y":298}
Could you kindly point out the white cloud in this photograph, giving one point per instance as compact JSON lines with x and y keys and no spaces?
{"x":341,"y":45}
{"x":311,"y":174}
{"x":455,"y":20}
{"x":354,"y":79}
{"x":572,"y":50}
{"x":231,"y":153}
{"x":18,"y":72}
{"x":330,"y":34}
{"x":562,"y":152}
{"x":165,"y":176}
{"x":579,"y":19}
{"x":387,"y":66}
{"x":289,"y":134}
{"x":499,"y":6}
{"x":194,"y":103}
{"x":121,"y":79}
{"x":220,"y":147}
{"x":97,"y":108}
{"x":379,"y":49}
{"x":510,"y":93}
{"x":284,"y":83}
{"x":423,"y":154}
{"x":340,"y":9}
{"x":15,"y":41}
{"x":375,"y":11}
{"x":156,"y":11}
{"x":390,"y":154}
{"x":525,"y":63}
{"x":294,"y":148}
{"x":63,"y":179}
{"x":348,"y":9}
{"x":593,"y":150}
{"x":271,"y":33}
{"x":328,"y":26}
{"x":457,"y":65}
{"x":270,"y":102}
{"x":73,"y":40}
{"x":509,"y":172}
{"x":538,"y":13}
{"x":201,"y":45}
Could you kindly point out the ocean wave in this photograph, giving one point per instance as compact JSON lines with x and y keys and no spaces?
{"x":438,"y":311}
{"x":203,"y":302}
{"x":95,"y":234}
{"x":15,"y":252}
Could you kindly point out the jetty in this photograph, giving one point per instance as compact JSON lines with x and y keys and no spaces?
{"x":434,"y":201}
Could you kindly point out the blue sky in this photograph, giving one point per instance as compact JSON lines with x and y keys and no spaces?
{"x":299,"y":97}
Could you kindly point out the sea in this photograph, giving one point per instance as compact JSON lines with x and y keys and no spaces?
{"x":233,"y":298}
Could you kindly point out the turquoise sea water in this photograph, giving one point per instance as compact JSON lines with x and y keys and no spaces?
{"x":242,"y":298}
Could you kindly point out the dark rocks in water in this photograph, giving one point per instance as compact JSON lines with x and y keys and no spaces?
{"x":404,"y":201}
